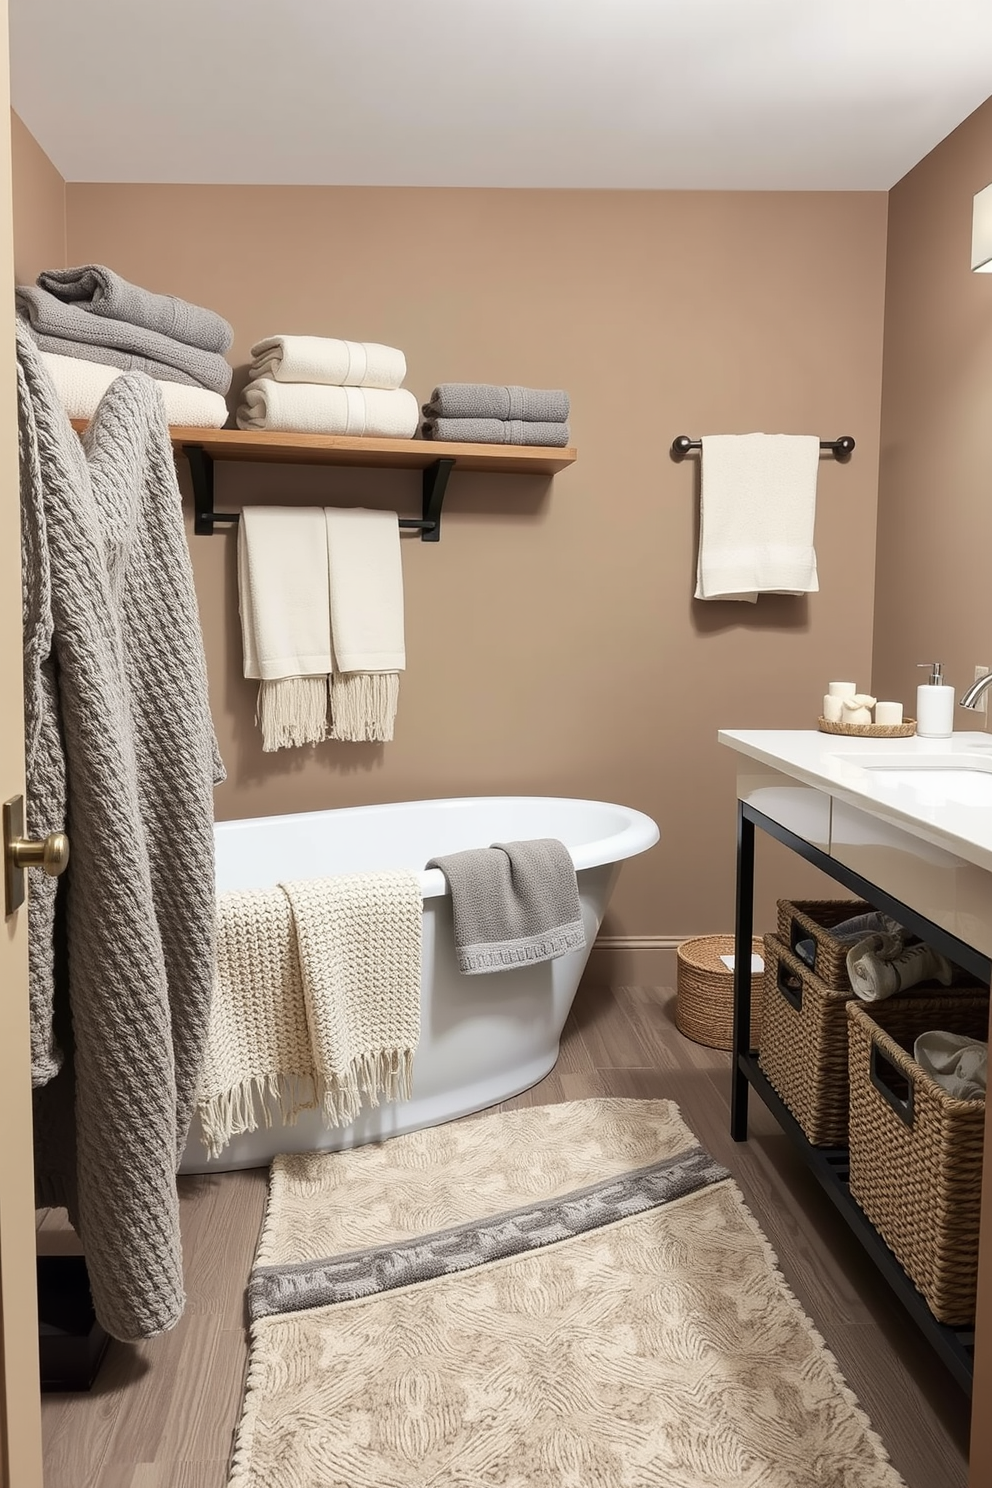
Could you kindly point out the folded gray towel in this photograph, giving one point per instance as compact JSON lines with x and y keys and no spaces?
{"x":102,"y":292}
{"x":513,"y":903}
{"x":496,"y":431}
{"x":488,"y":401}
{"x":67,"y":330}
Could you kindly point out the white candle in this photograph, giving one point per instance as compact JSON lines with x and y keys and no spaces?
{"x":832,"y":708}
{"x":888,"y":712}
{"x":842,"y":689}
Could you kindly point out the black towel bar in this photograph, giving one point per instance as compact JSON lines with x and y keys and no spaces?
{"x":839,"y":448}
{"x":205,"y":519}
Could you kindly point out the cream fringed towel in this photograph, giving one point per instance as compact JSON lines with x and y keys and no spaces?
{"x":366,"y":587}
{"x":316,"y":1001}
{"x":285,"y":620}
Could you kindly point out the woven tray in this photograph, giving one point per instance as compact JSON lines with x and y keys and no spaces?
{"x":704,"y":1002}
{"x":903,"y":730}
{"x":803,"y":1047}
{"x":916,"y":1152}
{"x":813,"y":919}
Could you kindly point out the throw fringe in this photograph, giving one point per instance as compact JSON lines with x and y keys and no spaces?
{"x":248,"y":1105}
{"x":292,"y":711}
{"x":363,"y":706}
{"x":387,"y":1073}
{"x":245,"y":1107}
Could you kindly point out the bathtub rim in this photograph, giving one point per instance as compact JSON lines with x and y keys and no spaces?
{"x":639,"y":832}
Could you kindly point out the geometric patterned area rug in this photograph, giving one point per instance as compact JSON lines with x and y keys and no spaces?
{"x":563,"y":1296}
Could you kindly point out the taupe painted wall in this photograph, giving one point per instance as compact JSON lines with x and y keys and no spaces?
{"x":553,"y":643}
{"x":932,"y":595}
{"x":935,"y":493}
{"x":39,"y":206}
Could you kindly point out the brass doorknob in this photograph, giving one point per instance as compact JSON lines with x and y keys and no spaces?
{"x":50,"y":854}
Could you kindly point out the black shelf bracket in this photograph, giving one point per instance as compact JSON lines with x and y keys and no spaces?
{"x":205,"y":519}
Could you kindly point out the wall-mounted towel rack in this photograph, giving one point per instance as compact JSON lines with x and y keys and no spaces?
{"x":839,"y":448}
{"x":434,"y":458}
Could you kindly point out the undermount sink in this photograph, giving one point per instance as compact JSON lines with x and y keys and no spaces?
{"x":941,"y":778}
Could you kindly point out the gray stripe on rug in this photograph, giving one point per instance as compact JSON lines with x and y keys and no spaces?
{"x":382,"y":1268}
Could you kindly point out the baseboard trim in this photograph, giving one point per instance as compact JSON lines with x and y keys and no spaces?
{"x":634,"y":960}
{"x":639,"y":942}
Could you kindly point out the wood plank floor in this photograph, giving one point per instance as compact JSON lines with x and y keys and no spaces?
{"x":162,"y":1413}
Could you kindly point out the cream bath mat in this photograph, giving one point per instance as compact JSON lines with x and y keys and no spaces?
{"x":565,"y":1296}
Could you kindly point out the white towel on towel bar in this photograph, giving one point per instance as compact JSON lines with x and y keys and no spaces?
{"x":309,"y":408}
{"x":365,"y":575}
{"x":286,"y":620}
{"x":757,"y":509}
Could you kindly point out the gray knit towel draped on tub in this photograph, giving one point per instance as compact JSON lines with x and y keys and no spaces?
{"x":513,"y":903}
{"x":121,"y":752}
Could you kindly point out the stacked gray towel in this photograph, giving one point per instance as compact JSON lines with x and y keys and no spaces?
{"x":93,"y":314}
{"x":483,"y":413}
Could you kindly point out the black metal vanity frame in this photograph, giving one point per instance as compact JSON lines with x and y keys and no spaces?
{"x":830,"y":1165}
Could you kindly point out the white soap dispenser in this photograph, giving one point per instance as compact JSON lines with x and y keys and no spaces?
{"x":934,"y":705}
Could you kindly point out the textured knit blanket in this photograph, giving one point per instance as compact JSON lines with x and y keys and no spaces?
{"x":512,"y":903}
{"x":486,"y":401}
{"x":496,"y":431}
{"x":316,"y":1001}
{"x":68,"y":330}
{"x":102,"y":292}
{"x":120,"y":750}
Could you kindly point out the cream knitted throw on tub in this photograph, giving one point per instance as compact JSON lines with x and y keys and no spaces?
{"x":316,"y":1001}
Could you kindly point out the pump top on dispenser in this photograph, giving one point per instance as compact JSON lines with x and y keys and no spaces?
{"x":934,"y":704}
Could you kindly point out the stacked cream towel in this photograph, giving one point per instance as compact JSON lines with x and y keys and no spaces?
{"x":757,"y":505}
{"x":321,"y":385}
{"x":92,"y":315}
{"x":80,"y":386}
{"x":316,"y":1001}
{"x":321,"y":599}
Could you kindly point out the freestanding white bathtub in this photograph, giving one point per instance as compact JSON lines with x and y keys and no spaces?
{"x":483,"y":1038}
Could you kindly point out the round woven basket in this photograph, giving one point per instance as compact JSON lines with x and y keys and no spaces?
{"x":904,"y":730}
{"x":704,"y":1000}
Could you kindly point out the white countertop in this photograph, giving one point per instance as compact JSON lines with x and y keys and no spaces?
{"x":948,"y":810}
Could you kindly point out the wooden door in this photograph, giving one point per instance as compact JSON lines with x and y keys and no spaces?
{"x":20,"y":1398}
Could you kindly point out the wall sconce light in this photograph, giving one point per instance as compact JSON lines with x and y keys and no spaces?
{"x":981,"y":233}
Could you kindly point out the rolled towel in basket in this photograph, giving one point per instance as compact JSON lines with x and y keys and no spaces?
{"x":881,"y":965}
{"x":100,"y":291}
{"x":958,"y":1063}
{"x":325,"y":359}
{"x":67,"y":330}
{"x":308,"y":408}
{"x":487,"y":400}
{"x":496,"y":431}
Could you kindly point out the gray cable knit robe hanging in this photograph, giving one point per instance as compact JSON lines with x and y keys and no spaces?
{"x":121,"y":752}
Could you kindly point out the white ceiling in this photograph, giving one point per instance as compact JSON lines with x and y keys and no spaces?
{"x":720,"y":94}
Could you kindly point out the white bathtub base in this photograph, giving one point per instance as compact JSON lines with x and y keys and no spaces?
{"x":483,"y":1038}
{"x":392,"y":1119}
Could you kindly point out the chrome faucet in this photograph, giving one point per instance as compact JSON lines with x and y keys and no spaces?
{"x":973,"y":696}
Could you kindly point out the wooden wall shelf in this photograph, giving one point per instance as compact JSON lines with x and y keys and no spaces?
{"x":434,"y":459}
